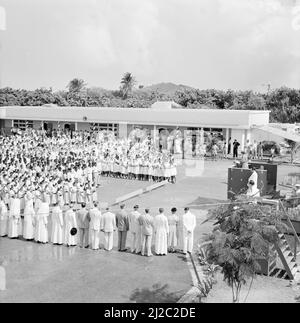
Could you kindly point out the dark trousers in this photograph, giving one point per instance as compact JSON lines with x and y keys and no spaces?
{"x":229,"y":148}
{"x":235,"y":152}
{"x":122,"y":240}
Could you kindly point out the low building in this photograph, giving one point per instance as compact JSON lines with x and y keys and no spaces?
{"x":237,"y":124}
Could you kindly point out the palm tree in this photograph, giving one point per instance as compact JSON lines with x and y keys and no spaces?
{"x":76,"y":85}
{"x":127,"y":83}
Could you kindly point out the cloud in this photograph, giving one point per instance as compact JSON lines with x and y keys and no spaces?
{"x":118,"y":32}
{"x":235,"y":44}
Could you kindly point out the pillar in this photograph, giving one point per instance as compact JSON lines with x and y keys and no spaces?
{"x":123,"y":133}
{"x":154,"y":134}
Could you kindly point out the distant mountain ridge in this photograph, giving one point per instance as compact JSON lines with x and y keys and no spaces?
{"x":164,"y":88}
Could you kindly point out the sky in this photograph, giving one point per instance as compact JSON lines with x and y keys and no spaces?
{"x":222,"y":44}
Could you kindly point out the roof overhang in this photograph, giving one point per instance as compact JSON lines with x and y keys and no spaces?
{"x":212,"y":118}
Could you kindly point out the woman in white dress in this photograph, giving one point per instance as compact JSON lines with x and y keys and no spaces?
{"x":88,"y":193}
{"x":66,"y":192}
{"x":29,"y":219}
{"x":54,"y":194}
{"x":3,"y":219}
{"x":94,"y":194}
{"x":47,"y":195}
{"x":41,"y":223}
{"x":37,"y":200}
{"x":73,"y":193}
{"x":80,"y":194}
{"x":60,"y":198}
{"x":14,"y":218}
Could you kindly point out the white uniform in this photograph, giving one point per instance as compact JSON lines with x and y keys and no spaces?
{"x":70,"y":222}
{"x":161,"y":229}
{"x":189,"y":224}
{"x":3,"y":219}
{"x":14,"y":218}
{"x":134,"y":231}
{"x":41,"y":226}
{"x":108,"y":225}
{"x":29,"y":220}
{"x":95,"y":226}
{"x":57,"y":234}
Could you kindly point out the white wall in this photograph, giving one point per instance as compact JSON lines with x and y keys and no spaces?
{"x":123,"y":130}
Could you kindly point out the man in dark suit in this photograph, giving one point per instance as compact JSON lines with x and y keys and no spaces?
{"x":123,"y":226}
{"x":235,"y":148}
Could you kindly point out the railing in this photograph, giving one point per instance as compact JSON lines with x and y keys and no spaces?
{"x":290,"y":224}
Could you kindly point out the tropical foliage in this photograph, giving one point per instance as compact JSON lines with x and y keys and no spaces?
{"x":127,"y":83}
{"x":241,"y":237}
{"x":284,"y":103}
{"x":76,"y":85}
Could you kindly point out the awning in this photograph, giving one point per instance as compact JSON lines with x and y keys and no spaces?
{"x":279,"y":132}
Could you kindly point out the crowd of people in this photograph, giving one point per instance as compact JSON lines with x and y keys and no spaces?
{"x":67,"y":167}
{"x":71,"y":226}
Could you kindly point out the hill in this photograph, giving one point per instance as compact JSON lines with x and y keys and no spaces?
{"x":164,"y":88}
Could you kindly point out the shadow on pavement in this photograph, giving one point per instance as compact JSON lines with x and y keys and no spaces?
{"x":182,"y":257}
{"x":157,"y":294}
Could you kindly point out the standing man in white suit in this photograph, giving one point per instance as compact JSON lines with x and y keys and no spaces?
{"x":95,"y":226}
{"x":146,"y":223}
{"x":189,"y":224}
{"x":133,"y":223}
{"x":108,"y":225}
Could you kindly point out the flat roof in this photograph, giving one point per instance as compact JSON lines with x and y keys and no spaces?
{"x":214,"y":118}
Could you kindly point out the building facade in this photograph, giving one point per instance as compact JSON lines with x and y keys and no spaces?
{"x":237,"y":124}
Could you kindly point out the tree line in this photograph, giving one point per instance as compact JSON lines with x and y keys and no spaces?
{"x":284,"y":102}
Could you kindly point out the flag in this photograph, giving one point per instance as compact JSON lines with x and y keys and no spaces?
{"x":2,"y":18}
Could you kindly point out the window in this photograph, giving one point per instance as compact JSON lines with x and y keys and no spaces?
{"x":23,"y":124}
{"x":104,"y":126}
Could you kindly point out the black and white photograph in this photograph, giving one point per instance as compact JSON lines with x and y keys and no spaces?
{"x":150,"y":154}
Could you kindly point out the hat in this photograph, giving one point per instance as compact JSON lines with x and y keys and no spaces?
{"x":73,"y":231}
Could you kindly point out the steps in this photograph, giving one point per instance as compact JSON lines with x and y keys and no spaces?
{"x":289,"y":267}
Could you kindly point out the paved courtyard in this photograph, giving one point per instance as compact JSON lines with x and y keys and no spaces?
{"x":47,"y":273}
